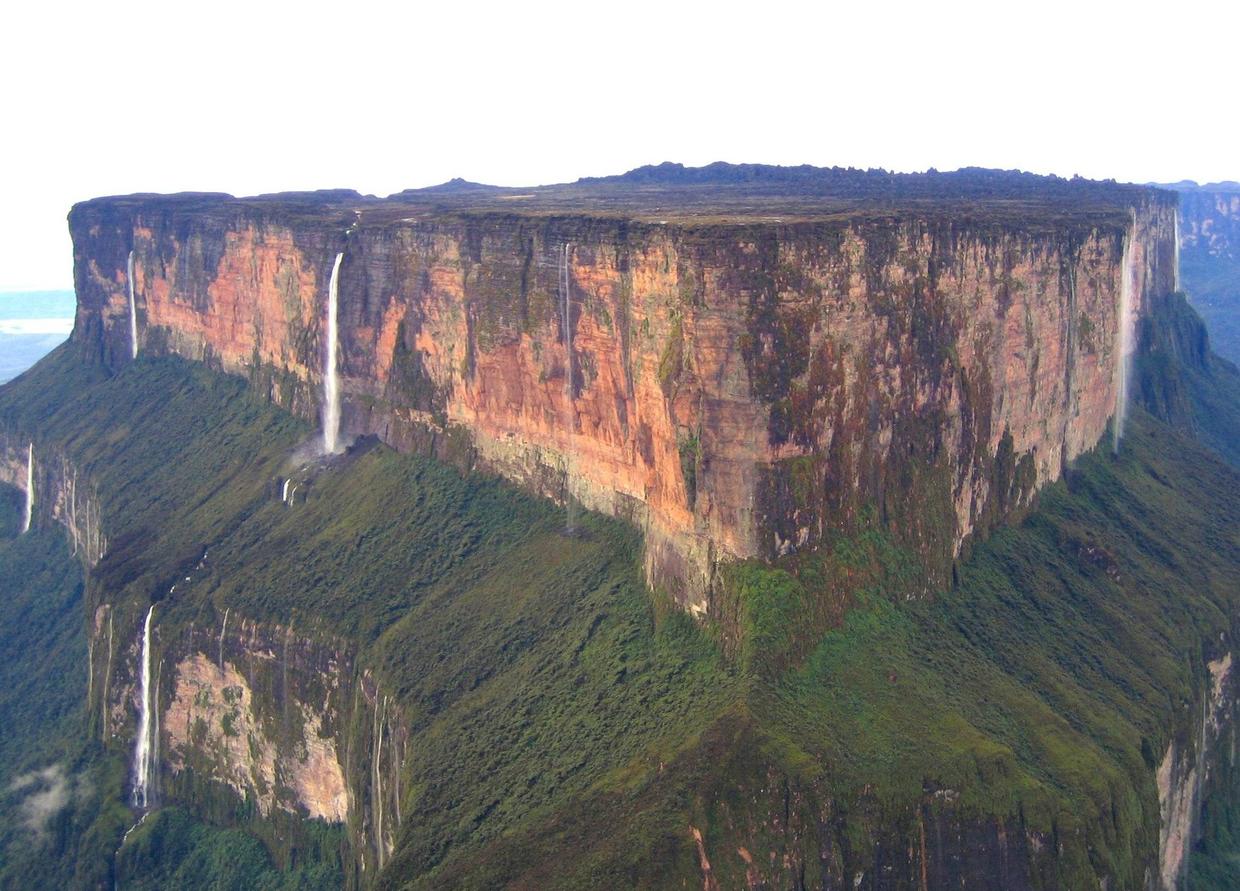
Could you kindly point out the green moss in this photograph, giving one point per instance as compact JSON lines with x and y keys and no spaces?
{"x":173,"y":850}
{"x":561,"y":717}
{"x":671,"y":360}
{"x":690,"y":448}
{"x":1085,"y":331}
{"x":396,"y":554}
{"x":410,"y":381}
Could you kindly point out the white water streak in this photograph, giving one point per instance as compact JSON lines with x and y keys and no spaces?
{"x":1176,"y":271}
{"x":380,"y":718}
{"x":223,"y":630}
{"x":133,"y":312}
{"x":29,"y":514}
{"x":142,"y":747}
{"x":1126,"y":335}
{"x":331,"y":383}
{"x":284,"y":491}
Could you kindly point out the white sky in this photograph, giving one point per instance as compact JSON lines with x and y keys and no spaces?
{"x":245,"y":97}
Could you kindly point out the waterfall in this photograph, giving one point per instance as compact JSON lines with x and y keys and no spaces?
{"x":331,"y":385}
{"x":223,"y":631}
{"x":133,"y":312}
{"x":377,"y":786}
{"x":570,"y":426}
{"x":284,"y":491}
{"x":1175,"y":272}
{"x":142,"y":747}
{"x":1126,"y":335}
{"x":29,"y":515}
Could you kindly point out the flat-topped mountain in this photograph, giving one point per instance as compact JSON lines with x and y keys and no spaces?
{"x":736,"y":358}
{"x":722,"y":193}
{"x":878,"y":584}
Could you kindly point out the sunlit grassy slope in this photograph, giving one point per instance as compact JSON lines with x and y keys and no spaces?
{"x":567,"y":731}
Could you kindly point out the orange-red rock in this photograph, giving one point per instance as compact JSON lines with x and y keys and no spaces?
{"x":739,"y":389}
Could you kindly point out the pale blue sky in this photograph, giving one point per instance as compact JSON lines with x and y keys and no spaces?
{"x":251,"y":96}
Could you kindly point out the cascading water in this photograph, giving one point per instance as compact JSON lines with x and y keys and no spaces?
{"x":1126,"y":335}
{"x":223,"y":631}
{"x":142,"y":747}
{"x":570,"y":520}
{"x":284,"y":491}
{"x":133,"y":312}
{"x":29,"y":514}
{"x":331,"y":384}
{"x":1175,"y":272}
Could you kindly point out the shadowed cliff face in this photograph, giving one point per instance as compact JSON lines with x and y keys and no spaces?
{"x":739,"y":388}
{"x":1210,"y":261}
{"x":63,"y":495}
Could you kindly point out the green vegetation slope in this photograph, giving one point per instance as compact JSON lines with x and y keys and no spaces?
{"x":571,"y":731}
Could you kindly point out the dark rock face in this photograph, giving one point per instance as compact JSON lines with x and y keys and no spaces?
{"x":1210,"y":260}
{"x":742,"y":385}
{"x":62,"y":494}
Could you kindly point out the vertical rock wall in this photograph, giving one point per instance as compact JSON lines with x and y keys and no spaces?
{"x":62,"y":494}
{"x":738,"y":390}
{"x":1185,"y":773}
{"x":268,"y":715}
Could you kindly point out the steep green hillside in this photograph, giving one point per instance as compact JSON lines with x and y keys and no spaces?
{"x":1039,"y":690}
{"x":566,"y":730}
{"x":42,"y":696}
{"x":1214,"y":284}
{"x":1181,"y":380}
{"x":43,"y":672}
{"x":528,"y":661}
{"x":1210,"y":260}
{"x":61,"y":794}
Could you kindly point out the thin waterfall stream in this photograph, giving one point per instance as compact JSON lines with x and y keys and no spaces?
{"x":1126,"y":335}
{"x":142,"y":746}
{"x":133,"y":311}
{"x":29,"y":512}
{"x":1175,"y":272}
{"x":331,"y":382}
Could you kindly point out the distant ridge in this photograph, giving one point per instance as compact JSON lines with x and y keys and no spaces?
{"x":1188,"y":185}
{"x":718,"y":193}
{"x":456,"y":184}
{"x":852,"y":182}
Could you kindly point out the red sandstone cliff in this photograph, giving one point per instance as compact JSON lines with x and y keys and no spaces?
{"x":743,"y":385}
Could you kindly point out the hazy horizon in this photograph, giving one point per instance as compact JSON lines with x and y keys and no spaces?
{"x":32,"y":324}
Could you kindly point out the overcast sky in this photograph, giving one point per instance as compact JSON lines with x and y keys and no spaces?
{"x":251,"y":97}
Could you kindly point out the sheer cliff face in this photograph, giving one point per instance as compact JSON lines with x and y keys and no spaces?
{"x":280,"y":717}
{"x":1210,"y":223}
{"x":1210,"y":239}
{"x":736,"y":390}
{"x":1195,"y":766}
{"x":61,"y":495}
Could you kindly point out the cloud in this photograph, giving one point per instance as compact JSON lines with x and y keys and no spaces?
{"x":36,"y":326}
{"x":48,"y":794}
